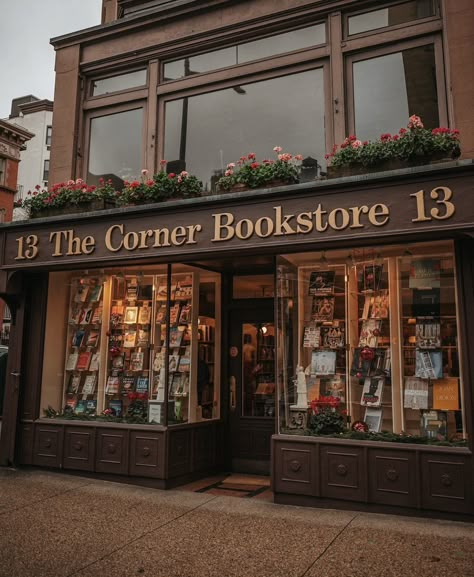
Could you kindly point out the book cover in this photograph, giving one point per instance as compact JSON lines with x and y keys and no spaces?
{"x":116,"y":406}
{"x":70,"y":405}
{"x":83,"y":361}
{"x":118,"y":287}
{"x":367,"y":310}
{"x":118,"y":362}
{"x":373,"y":418}
{"x":72,"y":361}
{"x":95,"y":362}
{"x":130,"y":338}
{"x":112,"y":385}
{"x":73,"y":384}
{"x":333,"y":387}
{"x":428,"y":334}
{"x":176,"y":336}
{"x":446,"y":394}
{"x":95,"y":293}
{"x":78,"y":337}
{"x":81,"y":293}
{"x":425,"y":274}
{"x":369,"y":333}
{"x":323,"y":362}
{"x":132,"y":290}
{"x":372,"y":275}
{"x":173,"y":363}
{"x":97,"y":316}
{"x":131,"y":315}
{"x":426,"y":303}
{"x":322,"y":309}
{"x":174,"y":313}
{"x":142,"y":385}
{"x":321,"y":282}
{"x":145,"y":291}
{"x":311,"y":337}
{"x":161,"y":315}
{"x":116,"y":314}
{"x":162,"y":290}
{"x":86,"y":316}
{"x":361,"y":366}
{"x":91,"y":406}
{"x":89,"y":385}
{"x":434,"y":425}
{"x":143,"y":337}
{"x":185,"y":314}
{"x":80,"y":407}
{"x":92,"y":339}
{"x":127,"y":384}
{"x":380,"y":305}
{"x":158,"y":361}
{"x":184,"y":288}
{"x":415,"y":395}
{"x":144,"y":316}
{"x":333,"y":337}
{"x":75,"y":314}
{"x":136,"y":361}
{"x":372,"y":392}
{"x":428,"y":364}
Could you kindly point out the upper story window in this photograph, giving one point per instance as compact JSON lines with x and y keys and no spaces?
{"x":390,"y":16}
{"x":49,"y":132}
{"x":46,"y":171}
{"x":115,"y":147}
{"x":119,"y":82}
{"x":246,"y":52}
{"x":3,"y":168}
{"x":129,"y":7}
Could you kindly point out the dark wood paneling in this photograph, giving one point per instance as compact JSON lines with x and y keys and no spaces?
{"x":48,"y":445}
{"x":295,"y":468}
{"x":343,"y":474}
{"x":204,"y":448}
{"x":26,"y":435}
{"x":392,"y":478}
{"x":112,"y":451}
{"x":147,"y":454}
{"x":179,"y":452}
{"x":446,"y":483}
{"x":254,"y":439}
{"x":79,"y":448}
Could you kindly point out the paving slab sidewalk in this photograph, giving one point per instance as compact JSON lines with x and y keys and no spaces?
{"x":58,"y":525}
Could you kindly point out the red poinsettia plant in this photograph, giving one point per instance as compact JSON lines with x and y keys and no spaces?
{"x":412,"y":144}
{"x":326,"y":417}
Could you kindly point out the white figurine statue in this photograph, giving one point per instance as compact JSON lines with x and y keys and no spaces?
{"x":301,"y":387}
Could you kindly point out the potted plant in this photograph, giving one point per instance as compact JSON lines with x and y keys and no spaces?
{"x":412,"y":146}
{"x":325,"y":417}
{"x":249,"y":173}
{"x":71,"y":197}
{"x":160,"y":187}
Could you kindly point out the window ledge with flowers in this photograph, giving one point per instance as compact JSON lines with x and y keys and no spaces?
{"x":327,"y":419}
{"x":413,"y":146}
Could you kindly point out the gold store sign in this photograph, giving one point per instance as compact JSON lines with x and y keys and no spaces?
{"x":228,"y":227}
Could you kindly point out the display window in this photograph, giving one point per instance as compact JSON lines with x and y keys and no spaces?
{"x":369,"y":345}
{"x":137,"y":346}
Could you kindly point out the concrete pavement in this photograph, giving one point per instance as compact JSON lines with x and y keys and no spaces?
{"x":57,"y":525}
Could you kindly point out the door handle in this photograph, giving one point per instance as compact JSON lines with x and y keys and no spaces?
{"x":232,"y":395}
{"x":14,"y":374}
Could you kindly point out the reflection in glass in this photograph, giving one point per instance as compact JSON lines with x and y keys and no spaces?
{"x":258,"y":370}
{"x":203,"y":133}
{"x":121,"y":82}
{"x":388,"y":89}
{"x":390,"y":16}
{"x":246,"y":52}
{"x":115,"y":149}
{"x":257,"y":286}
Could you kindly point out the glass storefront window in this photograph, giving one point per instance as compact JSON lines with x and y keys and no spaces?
{"x":119,"y":82}
{"x":115,"y":148}
{"x":389,"y":89}
{"x":246,"y":52}
{"x":135,"y":346}
{"x":256,"y":286}
{"x":390,"y":16}
{"x":247,"y":118}
{"x":369,"y":341}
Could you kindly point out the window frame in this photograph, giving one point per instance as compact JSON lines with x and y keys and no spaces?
{"x":49,"y":134}
{"x":434,"y":40}
{"x":46,"y":171}
{"x":112,"y":74}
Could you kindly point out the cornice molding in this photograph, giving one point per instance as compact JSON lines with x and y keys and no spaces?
{"x":36,"y":106}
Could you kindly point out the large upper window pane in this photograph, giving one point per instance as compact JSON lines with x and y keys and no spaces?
{"x":278,"y":44}
{"x":121,"y":82}
{"x":390,"y":16}
{"x":203,"y":133}
{"x":388,"y":89}
{"x":115,"y":149}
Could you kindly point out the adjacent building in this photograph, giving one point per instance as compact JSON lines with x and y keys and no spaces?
{"x":199,"y":331}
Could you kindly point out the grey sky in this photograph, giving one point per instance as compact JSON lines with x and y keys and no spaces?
{"x":26,"y":57}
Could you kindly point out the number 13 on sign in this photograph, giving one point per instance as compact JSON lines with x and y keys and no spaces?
{"x":442,"y":196}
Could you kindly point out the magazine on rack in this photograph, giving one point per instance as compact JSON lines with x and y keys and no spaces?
{"x":425,"y":274}
{"x":372,"y":275}
{"x":369,"y":333}
{"x":321,"y":282}
{"x":323,"y":362}
{"x":372,"y":392}
{"x":428,"y":364}
{"x":428,"y":334}
{"x":322,"y":309}
{"x":415,"y":393}
{"x":373,"y":418}
{"x":311,"y":337}
{"x":89,"y":385}
{"x":333,"y":337}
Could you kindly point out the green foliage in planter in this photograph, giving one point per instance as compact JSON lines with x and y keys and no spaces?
{"x":387,"y":437}
{"x":70,"y":193}
{"x":325,"y":418}
{"x":254,"y":174}
{"x":160,"y":187}
{"x":415,"y":145}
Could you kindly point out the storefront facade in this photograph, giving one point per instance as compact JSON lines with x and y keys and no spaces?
{"x":164,"y":342}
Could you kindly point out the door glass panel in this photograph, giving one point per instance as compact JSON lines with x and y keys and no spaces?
{"x":257,"y":286}
{"x":258,"y":370}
